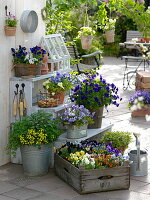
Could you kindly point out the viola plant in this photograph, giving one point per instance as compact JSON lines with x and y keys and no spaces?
{"x":110,"y":25}
{"x":58,"y":83}
{"x":34,"y":137}
{"x":34,"y":56}
{"x":95,"y":92}
{"x":11,"y":20}
{"x":76,"y":115}
{"x":140,"y":99}
{"x":92,"y":155}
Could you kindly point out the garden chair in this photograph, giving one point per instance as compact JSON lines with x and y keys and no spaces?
{"x":130,"y":49}
{"x":72,"y":48}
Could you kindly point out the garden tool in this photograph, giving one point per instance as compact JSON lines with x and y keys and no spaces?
{"x":24,"y":100}
{"x":15,"y":101}
{"x":20,"y":103}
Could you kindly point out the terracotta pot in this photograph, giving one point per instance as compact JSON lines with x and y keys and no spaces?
{"x":86,"y":41}
{"x":146,"y":39}
{"x":60,"y":97}
{"x":141,"y":112}
{"x":45,"y":58}
{"x":10,"y":31}
{"x":110,"y":36}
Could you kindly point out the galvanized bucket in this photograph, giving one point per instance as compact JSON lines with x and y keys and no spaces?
{"x":97,"y":118}
{"x":35,"y":160}
{"x":75,"y":132}
{"x":139,"y":166}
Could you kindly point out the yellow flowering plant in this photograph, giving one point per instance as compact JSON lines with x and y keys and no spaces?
{"x":37,"y":129}
{"x":86,"y":31}
{"x":34,"y":137}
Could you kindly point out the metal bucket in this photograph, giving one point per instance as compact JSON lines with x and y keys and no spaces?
{"x":75,"y":132}
{"x":35,"y":160}
{"x":138,"y":167}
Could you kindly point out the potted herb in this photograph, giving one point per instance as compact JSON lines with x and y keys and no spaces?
{"x":95,"y":93}
{"x":139,"y":103}
{"x":27,"y":62}
{"x":10,"y":25}
{"x":76,"y":118}
{"x":86,"y":34}
{"x":117,"y":139}
{"x":88,"y":161}
{"x":34,"y":135}
{"x":57,"y":85}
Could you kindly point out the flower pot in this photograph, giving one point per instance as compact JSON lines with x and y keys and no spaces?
{"x":141,"y":112}
{"x":97,"y":118}
{"x":22,"y":69}
{"x":147,"y":39}
{"x":10,"y":31}
{"x":35,"y":160}
{"x":60,"y":96}
{"x":86,"y":41}
{"x":110,"y":36}
{"x":75,"y":132}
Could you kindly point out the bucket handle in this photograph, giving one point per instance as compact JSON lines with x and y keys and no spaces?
{"x":105,"y":177}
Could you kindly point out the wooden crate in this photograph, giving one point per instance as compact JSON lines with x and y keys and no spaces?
{"x":143,"y":81}
{"x":93,"y":180}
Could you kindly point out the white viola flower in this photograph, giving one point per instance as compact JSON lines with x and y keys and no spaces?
{"x":86,"y":161}
{"x":139,"y":106}
{"x":135,"y":101}
{"x":60,"y":84}
{"x":148,"y":54}
{"x":53,"y":93}
{"x":147,"y":117}
{"x":113,"y":156}
{"x":134,"y":107}
{"x":141,"y":98}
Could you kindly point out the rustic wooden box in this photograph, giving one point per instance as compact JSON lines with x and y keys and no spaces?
{"x":143,"y":81}
{"x":93,"y":180}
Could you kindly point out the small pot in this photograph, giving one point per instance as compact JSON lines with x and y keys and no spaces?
{"x":110,"y":36}
{"x":10,"y":31}
{"x":86,"y":41}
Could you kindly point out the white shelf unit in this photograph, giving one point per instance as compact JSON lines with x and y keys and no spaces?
{"x":31,"y":89}
{"x":58,"y":53}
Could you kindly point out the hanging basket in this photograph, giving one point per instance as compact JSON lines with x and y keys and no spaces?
{"x":110,"y":35}
{"x":86,"y":41}
{"x":10,"y":31}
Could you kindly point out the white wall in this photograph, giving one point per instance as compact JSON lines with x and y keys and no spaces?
{"x":16,"y":7}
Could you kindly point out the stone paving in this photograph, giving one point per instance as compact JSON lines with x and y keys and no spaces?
{"x":15,"y":186}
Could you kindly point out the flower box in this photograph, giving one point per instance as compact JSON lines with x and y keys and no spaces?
{"x":141,"y":112}
{"x":143,"y":81}
{"x":92,"y":180}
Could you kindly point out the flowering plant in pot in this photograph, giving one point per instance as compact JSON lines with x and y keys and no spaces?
{"x":10,"y":25}
{"x":86,"y":34}
{"x":109,"y":29}
{"x":57,"y":85}
{"x":139,"y":103}
{"x":24,"y":59}
{"x":117,"y":139}
{"x":95,"y":93}
{"x":76,"y":119}
{"x":34,"y":135}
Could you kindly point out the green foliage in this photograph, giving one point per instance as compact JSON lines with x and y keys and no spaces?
{"x":36,"y":121}
{"x":119,"y":139}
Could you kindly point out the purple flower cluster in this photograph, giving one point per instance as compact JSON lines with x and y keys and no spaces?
{"x":38,"y":52}
{"x":11,"y":20}
{"x":60,"y":78}
{"x":94,"y":93}
{"x":19,"y":55}
{"x":140,"y":93}
{"x":77,"y":115}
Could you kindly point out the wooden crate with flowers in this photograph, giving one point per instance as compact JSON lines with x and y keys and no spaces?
{"x":143,"y":81}
{"x":139,"y":104}
{"x":92,"y":167}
